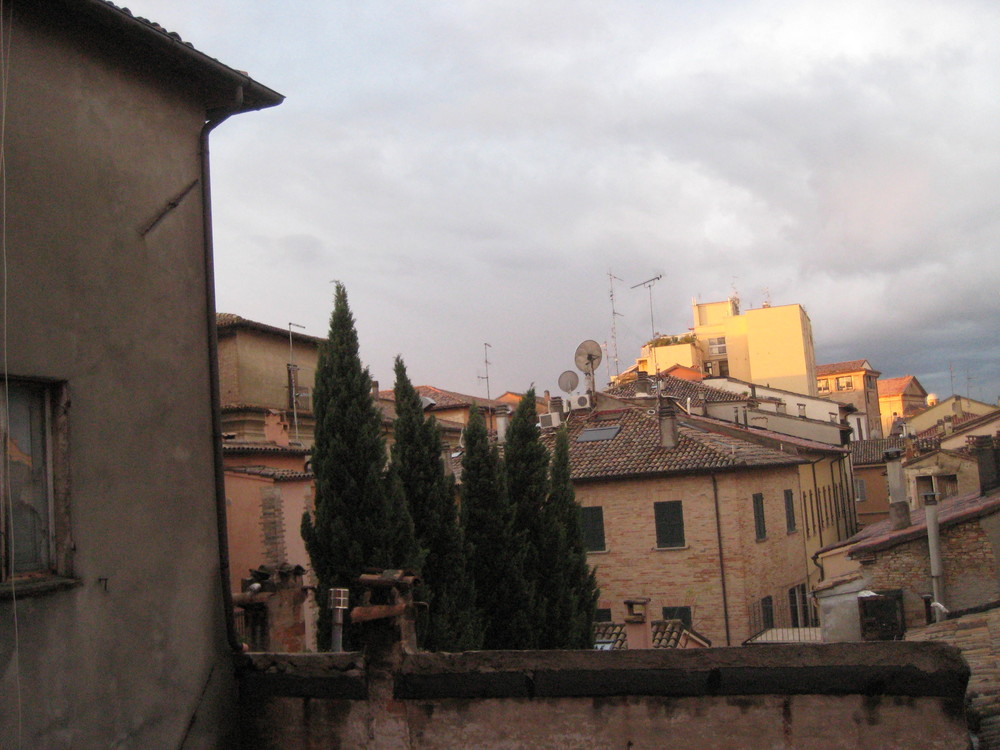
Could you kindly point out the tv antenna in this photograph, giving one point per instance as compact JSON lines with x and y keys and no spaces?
{"x":614,"y":327}
{"x":648,"y":283}
{"x":486,"y":361}
{"x":293,"y":381}
{"x":587,"y":358}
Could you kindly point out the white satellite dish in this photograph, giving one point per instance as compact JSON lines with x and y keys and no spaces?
{"x":568,"y":381}
{"x":588,"y":356}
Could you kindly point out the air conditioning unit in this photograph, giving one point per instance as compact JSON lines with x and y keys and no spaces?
{"x":549,"y":420}
{"x":580,"y":401}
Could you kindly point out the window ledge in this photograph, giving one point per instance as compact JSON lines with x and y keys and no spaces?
{"x":27,"y":587}
{"x":669,"y":549}
{"x":598,"y":551}
{"x":761,"y":539}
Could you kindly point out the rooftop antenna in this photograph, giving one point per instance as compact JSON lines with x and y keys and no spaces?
{"x":767,"y":297}
{"x":587,"y":358}
{"x":293,"y":380}
{"x":614,"y":328}
{"x":951,"y":373}
{"x":648,"y":283}
{"x":486,"y":361}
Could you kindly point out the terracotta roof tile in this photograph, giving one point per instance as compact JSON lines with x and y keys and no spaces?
{"x":226,"y":322}
{"x":871,"y":452}
{"x":270,"y":472}
{"x":834,"y":368}
{"x":612,"y":634}
{"x":677,"y":388}
{"x":896,"y":386}
{"x":236,"y":447}
{"x":636,"y":451}
{"x":446,"y":399}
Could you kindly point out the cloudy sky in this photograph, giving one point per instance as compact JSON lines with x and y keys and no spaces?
{"x":472,"y":171}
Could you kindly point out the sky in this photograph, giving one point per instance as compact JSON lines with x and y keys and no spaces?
{"x":475,"y":172}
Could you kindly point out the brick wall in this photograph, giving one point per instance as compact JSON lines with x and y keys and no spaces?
{"x":690,"y":576}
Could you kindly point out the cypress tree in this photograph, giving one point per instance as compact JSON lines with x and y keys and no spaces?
{"x":570,"y":589}
{"x":451,"y":623}
{"x":357,"y":523}
{"x":497,"y":553}
{"x":526,"y":464}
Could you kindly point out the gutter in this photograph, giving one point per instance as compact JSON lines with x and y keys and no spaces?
{"x":214,"y":120}
{"x":722,"y":564}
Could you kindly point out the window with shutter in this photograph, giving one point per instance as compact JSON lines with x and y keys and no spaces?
{"x":592,"y":528}
{"x":758,"y":516}
{"x":669,"y":518}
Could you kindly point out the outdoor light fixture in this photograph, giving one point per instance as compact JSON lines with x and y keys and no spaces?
{"x":338,"y":603}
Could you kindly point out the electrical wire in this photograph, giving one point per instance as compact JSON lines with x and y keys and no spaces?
{"x":6,"y":30}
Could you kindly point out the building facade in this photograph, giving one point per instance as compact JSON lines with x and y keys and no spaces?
{"x":113,"y":628}
{"x":854,"y":383}
{"x":899,"y":399}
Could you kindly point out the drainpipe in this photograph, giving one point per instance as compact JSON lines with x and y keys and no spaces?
{"x":934,"y":548}
{"x":214,"y":120}
{"x":722,"y":564}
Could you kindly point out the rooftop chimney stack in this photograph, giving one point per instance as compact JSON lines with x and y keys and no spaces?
{"x":502,"y":414}
{"x":642,"y":384}
{"x":555,"y":405}
{"x":899,"y":506}
{"x":668,"y":425}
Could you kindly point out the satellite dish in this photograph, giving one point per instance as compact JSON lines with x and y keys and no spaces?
{"x":568,"y":381}
{"x":588,"y":356}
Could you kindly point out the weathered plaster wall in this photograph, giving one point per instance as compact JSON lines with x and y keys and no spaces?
{"x":882,"y":696}
{"x":133,"y":655}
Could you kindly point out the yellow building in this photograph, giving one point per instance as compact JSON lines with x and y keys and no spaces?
{"x":767,"y":346}
{"x":899,"y":398}
{"x":853,"y":382}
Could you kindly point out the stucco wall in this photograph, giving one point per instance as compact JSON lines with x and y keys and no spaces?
{"x":895,"y":695}
{"x":134,"y":655}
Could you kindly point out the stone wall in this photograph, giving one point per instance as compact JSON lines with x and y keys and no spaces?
{"x":977,"y":635}
{"x":869,"y":695}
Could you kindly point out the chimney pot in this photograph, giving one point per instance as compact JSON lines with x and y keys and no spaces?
{"x":668,"y":425}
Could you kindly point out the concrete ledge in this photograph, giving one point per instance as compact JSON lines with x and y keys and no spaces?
{"x":868,"y":669}
{"x":302,"y":675}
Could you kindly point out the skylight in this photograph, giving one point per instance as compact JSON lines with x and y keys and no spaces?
{"x":598,"y":433}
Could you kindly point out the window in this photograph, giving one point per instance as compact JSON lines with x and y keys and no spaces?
{"x":790,"y":510}
{"x":592,"y":528}
{"x":758,"y":516}
{"x":802,"y":613}
{"x":598,"y":433}
{"x":602,"y":614}
{"x":845,"y":383}
{"x":823,"y":385}
{"x":860,"y":491}
{"x":717,"y":347}
{"x":767,"y":612}
{"x":678,"y":613}
{"x":669,"y":518}
{"x":26,"y":512}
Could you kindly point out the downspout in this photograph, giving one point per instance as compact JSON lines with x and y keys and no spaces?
{"x":214,"y":120}
{"x":722,"y":564}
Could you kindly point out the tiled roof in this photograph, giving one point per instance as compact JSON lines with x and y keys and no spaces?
{"x":977,"y":421}
{"x":270,"y":472}
{"x":896,"y":386}
{"x":759,"y":433}
{"x":245,"y":446}
{"x":445,"y":399}
{"x":636,"y":451}
{"x":612,"y":633}
{"x":226,"y":322}
{"x":677,"y":388}
{"x":880,"y":536}
{"x":870,"y":452}
{"x":835,"y":368}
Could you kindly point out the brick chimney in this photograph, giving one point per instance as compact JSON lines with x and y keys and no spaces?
{"x":638,"y":630}
{"x":555,"y":405}
{"x":984,"y":449}
{"x":502,"y":417}
{"x":899,"y":506}
{"x":642,"y":384}
{"x":668,"y":425}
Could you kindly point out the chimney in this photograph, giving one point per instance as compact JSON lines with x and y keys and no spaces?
{"x":899,"y":506}
{"x":555,"y":405}
{"x":983,"y":448}
{"x":642,"y":384}
{"x":502,"y":413}
{"x":668,"y":425}
{"x":374,"y":389}
{"x":934,"y":550}
{"x":638,"y":631}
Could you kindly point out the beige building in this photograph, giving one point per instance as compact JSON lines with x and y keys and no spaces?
{"x":113,"y":625}
{"x":945,"y":417}
{"x":710,"y":524}
{"x":767,"y":346}
{"x":854,"y":383}
{"x":899,"y":399}
{"x":871,"y":487}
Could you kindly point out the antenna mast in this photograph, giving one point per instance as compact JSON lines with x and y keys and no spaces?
{"x":614,"y":327}
{"x":293,"y":381}
{"x":648,"y":283}
{"x":486,"y":361}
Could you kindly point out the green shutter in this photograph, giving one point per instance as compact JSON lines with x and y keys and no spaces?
{"x":758,"y":516}
{"x":592,"y":528}
{"x":790,"y":510}
{"x":669,"y":517}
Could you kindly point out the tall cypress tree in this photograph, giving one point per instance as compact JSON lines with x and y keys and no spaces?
{"x":570,"y":588}
{"x":497,"y":553}
{"x":452,"y":623}
{"x":358,"y":522}
{"x":526,"y":464}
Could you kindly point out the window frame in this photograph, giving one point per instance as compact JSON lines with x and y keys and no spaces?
{"x":759,"y":521}
{"x":790,"y":522}
{"x":860,"y":490}
{"x":717,"y":346}
{"x":665,"y":528}
{"x":57,"y":545}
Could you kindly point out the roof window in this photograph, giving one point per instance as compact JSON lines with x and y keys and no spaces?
{"x":598,"y":433}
